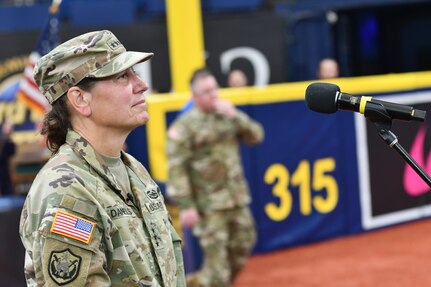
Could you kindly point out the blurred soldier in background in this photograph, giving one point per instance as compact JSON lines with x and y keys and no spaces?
{"x":207,"y":181}
{"x":235,"y":79}
{"x":94,"y":216}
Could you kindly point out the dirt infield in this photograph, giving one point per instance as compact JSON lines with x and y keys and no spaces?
{"x":394,"y":256}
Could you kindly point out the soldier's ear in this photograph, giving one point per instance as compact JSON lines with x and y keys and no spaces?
{"x":80,"y":100}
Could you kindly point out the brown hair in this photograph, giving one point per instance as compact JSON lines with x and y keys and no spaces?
{"x":57,"y":121}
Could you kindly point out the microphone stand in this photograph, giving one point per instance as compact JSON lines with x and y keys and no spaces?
{"x":378,"y":115}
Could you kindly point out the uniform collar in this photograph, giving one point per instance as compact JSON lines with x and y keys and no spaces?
{"x":83,"y":148}
{"x":135,"y":170}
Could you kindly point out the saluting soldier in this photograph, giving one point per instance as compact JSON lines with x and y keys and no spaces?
{"x":94,"y":216}
{"x":207,"y":181}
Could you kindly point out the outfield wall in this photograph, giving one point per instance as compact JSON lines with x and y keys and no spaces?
{"x":319,"y":176}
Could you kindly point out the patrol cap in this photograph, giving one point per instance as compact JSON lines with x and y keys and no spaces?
{"x":92,"y":55}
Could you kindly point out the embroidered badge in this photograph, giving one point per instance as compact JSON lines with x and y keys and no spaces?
{"x":119,"y":211}
{"x":154,"y":206}
{"x":64,"y":266}
{"x":72,"y":226}
{"x":152,"y":193}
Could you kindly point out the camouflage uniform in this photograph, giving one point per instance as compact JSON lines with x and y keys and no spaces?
{"x":130,"y":239}
{"x":205,"y":172}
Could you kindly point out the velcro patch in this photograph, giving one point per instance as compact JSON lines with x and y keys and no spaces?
{"x":64,"y":266}
{"x":72,"y":226}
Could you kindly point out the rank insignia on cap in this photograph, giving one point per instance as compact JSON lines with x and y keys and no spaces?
{"x":72,"y":226}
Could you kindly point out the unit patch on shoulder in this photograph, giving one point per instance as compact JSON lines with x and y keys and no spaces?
{"x":72,"y":226}
{"x":63,"y":266}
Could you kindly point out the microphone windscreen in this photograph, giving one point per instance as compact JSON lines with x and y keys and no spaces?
{"x":321,"y":97}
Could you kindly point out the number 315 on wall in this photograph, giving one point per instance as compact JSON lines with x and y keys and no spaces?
{"x":306,"y":181}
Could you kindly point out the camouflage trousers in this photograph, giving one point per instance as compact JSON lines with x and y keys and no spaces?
{"x":226,"y":238}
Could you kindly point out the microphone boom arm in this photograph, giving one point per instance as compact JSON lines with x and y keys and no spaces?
{"x":381,"y":119}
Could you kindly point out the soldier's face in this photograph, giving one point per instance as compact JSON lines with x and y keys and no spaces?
{"x":205,"y":93}
{"x":118,"y":101}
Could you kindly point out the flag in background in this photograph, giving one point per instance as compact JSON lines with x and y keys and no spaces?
{"x":28,"y":91}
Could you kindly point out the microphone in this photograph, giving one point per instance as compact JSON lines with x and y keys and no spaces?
{"x":326,"y":98}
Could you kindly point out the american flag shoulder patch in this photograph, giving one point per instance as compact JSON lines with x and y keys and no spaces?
{"x":72,"y":226}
